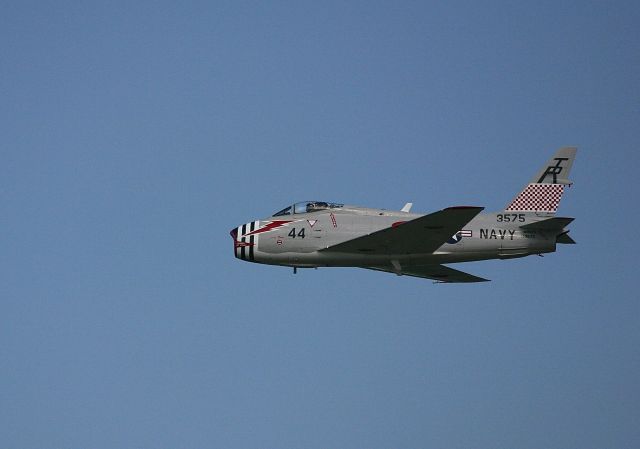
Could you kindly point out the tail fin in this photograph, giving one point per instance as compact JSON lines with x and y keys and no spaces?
{"x":544,"y":191}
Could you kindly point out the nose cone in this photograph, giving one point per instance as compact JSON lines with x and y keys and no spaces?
{"x":244,"y":241}
{"x":234,"y":235}
{"x":236,"y":242}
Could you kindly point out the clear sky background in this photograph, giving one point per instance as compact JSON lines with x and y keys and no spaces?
{"x":135,"y":135}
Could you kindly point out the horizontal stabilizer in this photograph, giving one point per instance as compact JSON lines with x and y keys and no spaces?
{"x":564,"y":238}
{"x":549,"y":223}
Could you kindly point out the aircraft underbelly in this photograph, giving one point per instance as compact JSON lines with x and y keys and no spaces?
{"x":324,"y":259}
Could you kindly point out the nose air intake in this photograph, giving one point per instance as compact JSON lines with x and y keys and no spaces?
{"x":243,"y":244}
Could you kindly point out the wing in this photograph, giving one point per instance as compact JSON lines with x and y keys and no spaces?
{"x":438,"y":273}
{"x":422,"y":235}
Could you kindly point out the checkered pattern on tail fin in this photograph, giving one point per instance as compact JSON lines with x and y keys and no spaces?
{"x":538,"y":198}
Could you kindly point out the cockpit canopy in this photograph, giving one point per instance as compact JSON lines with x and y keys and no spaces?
{"x":305,"y":207}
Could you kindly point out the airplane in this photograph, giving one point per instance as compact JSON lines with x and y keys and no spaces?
{"x":312,"y":234}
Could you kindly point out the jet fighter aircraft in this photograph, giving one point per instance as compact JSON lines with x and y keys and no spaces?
{"x":313,"y":234}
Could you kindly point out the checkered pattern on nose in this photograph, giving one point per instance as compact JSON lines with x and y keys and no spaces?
{"x":538,"y":198}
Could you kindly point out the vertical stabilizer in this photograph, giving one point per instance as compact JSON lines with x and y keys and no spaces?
{"x":544,"y":191}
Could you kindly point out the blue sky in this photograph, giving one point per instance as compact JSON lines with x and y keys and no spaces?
{"x":134,"y":136}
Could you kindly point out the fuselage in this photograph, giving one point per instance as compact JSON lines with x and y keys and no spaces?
{"x":300,"y":237}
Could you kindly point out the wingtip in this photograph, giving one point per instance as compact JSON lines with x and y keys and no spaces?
{"x":475,"y":281}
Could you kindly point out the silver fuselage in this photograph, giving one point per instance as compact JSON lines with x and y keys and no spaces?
{"x":301,"y":239}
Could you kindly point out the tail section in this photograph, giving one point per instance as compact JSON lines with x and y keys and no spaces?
{"x":555,"y":226}
{"x":544,"y":191}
